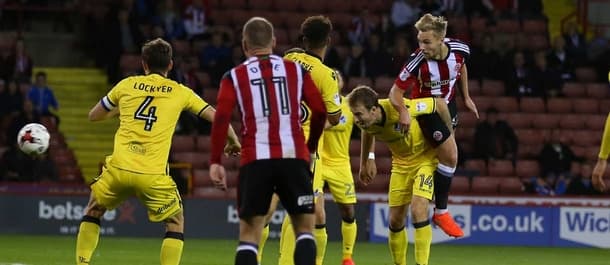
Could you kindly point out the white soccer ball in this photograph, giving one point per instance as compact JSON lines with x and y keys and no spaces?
{"x":33,"y":139}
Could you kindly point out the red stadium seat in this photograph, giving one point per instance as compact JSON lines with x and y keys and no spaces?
{"x":595,"y":122}
{"x":559,"y":105}
{"x":467,"y":120}
{"x":293,"y":35}
{"x":530,"y":136}
{"x":573,"y":89}
{"x":604,"y":106}
{"x":355,"y":81}
{"x":181,"y":47}
{"x":585,"y":74}
{"x":210,"y":96}
{"x":379,"y":185}
{"x":460,"y":185}
{"x":586,"y":105}
{"x":520,"y":120}
{"x":260,"y":4}
{"x":485,"y":185}
{"x":381,"y":150}
{"x":384,"y":165}
{"x":315,"y":6}
{"x":294,"y":20}
{"x":286,"y":5}
{"x":474,"y":88}
{"x":183,"y":143}
{"x":49,"y":122}
{"x":201,"y":178}
{"x":384,"y":83}
{"x":240,"y":17}
{"x":483,"y":103}
{"x":535,"y":26}
{"x":527,"y":168}
{"x":70,"y":174}
{"x":529,"y":151}
{"x":234,"y":4}
{"x":222,"y":17}
{"x":508,"y":26}
{"x":478,"y":24}
{"x":546,"y":121}
{"x":281,"y":36}
{"x":478,"y":165}
{"x":493,"y":88}
{"x":130,"y":63}
{"x":500,"y":168}
{"x":572,"y":121}
{"x":203,"y":143}
{"x":531,"y":105}
{"x":506,"y":104}
{"x":586,"y":138}
{"x":340,"y":6}
{"x":538,"y":42}
{"x":511,"y":185}
{"x":464,"y":133}
{"x":355,"y":163}
{"x":341,"y":19}
{"x":597,"y":90}
{"x":196,"y":159}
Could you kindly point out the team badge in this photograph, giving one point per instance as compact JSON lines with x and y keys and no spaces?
{"x":404,"y":74}
{"x":337,"y":99}
{"x":437,"y":135}
{"x":421,"y":106}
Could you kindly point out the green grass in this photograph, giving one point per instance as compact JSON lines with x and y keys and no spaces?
{"x":55,"y":250}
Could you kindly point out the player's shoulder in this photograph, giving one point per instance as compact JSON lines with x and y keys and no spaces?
{"x":457,"y":45}
{"x":415,"y":59}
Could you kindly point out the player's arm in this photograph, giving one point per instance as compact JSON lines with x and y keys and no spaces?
{"x":602,"y":160}
{"x":104,"y":109}
{"x":465,"y":93}
{"x":368,"y":168}
{"x":330,"y":94}
{"x":396,"y":99}
{"x":313,"y":99}
{"x":209,"y":114}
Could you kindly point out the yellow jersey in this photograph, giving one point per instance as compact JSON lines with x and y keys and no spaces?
{"x":409,"y":149}
{"x":149,"y":108}
{"x":335,"y":140}
{"x":324,"y":78}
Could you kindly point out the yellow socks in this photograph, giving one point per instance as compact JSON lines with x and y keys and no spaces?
{"x":87,"y":238}
{"x":287,"y":243}
{"x":171,"y":248}
{"x":319,"y":233}
{"x":348,"y":232}
{"x":397,"y":239}
{"x":261,"y":244}
{"x":423,"y":239}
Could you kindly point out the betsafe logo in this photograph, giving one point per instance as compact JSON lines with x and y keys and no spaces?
{"x":72,"y":211}
{"x":588,"y":226}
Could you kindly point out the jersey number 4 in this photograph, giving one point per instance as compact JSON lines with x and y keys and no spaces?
{"x":147,"y":116}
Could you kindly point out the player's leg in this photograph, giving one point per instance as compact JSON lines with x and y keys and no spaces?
{"x":160,"y":195}
{"x":295,"y":189}
{"x":437,"y":129}
{"x":399,"y":196}
{"x":255,"y":191}
{"x":341,"y":185}
{"x":422,"y":194}
{"x":287,"y":239}
{"x":89,"y":231}
{"x":319,"y":231}
{"x":265,"y":233}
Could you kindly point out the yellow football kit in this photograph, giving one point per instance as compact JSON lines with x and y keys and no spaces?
{"x":604,"y":148}
{"x":413,"y":159}
{"x":149,"y":107}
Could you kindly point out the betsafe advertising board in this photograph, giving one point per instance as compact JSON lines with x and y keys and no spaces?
{"x":514,"y":225}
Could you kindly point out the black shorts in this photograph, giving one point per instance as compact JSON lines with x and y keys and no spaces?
{"x":453,"y":112}
{"x":434,"y":128}
{"x":290,"y":179}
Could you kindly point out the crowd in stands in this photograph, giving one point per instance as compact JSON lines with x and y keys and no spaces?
{"x":513,"y":64}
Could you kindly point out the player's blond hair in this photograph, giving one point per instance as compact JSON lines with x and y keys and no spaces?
{"x":258,"y":32}
{"x":364,"y":95}
{"x":436,"y":24}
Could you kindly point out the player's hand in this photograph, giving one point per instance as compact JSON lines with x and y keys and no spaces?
{"x":368,"y":171}
{"x":598,"y":175}
{"x":471,"y":106}
{"x":404,"y":122}
{"x":218,"y":176}
{"x":232,"y":149}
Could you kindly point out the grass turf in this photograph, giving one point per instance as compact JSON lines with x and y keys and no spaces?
{"x":59,"y":250}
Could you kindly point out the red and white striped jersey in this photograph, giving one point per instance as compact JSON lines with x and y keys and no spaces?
{"x":268,"y":90}
{"x":434,"y":77}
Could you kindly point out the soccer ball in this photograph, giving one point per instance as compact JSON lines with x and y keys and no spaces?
{"x":33,"y":139}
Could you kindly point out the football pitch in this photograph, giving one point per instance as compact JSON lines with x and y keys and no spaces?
{"x":59,"y":250}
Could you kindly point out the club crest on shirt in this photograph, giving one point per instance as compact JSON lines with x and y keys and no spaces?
{"x":343,"y":119}
{"x":421,"y":106}
{"x":458,"y":66}
{"x":437,"y":135}
{"x":404,"y":74}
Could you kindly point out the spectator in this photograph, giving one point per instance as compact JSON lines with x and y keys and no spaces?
{"x":377,"y":58}
{"x":430,"y":6}
{"x":11,"y":100}
{"x":215,"y":58}
{"x":560,"y":60}
{"x":25,"y":116}
{"x":123,"y":36}
{"x":362,"y":27}
{"x":403,"y":14}
{"x":575,"y":43}
{"x":20,"y":63}
{"x":170,"y":21}
{"x":452,"y":8}
{"x":517,"y":79}
{"x":580,"y":184}
{"x":530,"y":9}
{"x":42,"y":97}
{"x":599,"y":53}
{"x":485,"y":60}
{"x":195,"y":20}
{"x":494,"y":138}
{"x":544,"y":79}
{"x":556,"y":158}
{"x":17,"y":166}
{"x":355,"y":63}
{"x":400,"y":54}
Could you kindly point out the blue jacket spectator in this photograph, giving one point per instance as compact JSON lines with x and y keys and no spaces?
{"x":42,"y":96}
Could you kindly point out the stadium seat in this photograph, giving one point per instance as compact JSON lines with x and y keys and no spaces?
{"x":500,"y":168}
{"x":222,"y":17}
{"x":534,"y":26}
{"x":464,"y":133}
{"x":519,"y":120}
{"x":260,"y":5}
{"x":586,"y":138}
{"x":240,"y":17}
{"x":531,"y":105}
{"x":384,"y":83}
{"x":585,"y":74}
{"x":572,"y":121}
{"x":538,"y":42}
{"x":492,"y":88}
{"x":281,"y":36}
{"x":478,"y":24}
{"x":294,"y":19}
{"x":382,"y":150}
{"x":596,"y":122}
{"x":478,"y":165}
{"x":586,"y":105}
{"x":531,"y":136}
{"x":510,"y":26}
{"x":559,"y":105}
{"x":70,"y":174}
{"x":506,"y":104}
{"x":566,"y":136}
{"x":483,"y":103}
{"x":474,"y":88}
{"x":485,"y":185}
{"x":546,"y":121}
{"x":604,"y":106}
{"x":201,"y":178}
{"x":384,"y":165}
{"x":529,"y":151}
{"x":355,"y":81}
{"x":597,"y":90}
{"x":379,"y":185}
{"x":527,"y":168}
{"x":196,"y":159}
{"x":181,"y":47}
{"x":341,"y":19}
{"x":354,"y":162}
{"x":315,"y":6}
{"x":286,"y":5}
{"x":511,"y":185}
{"x":293,"y":35}
{"x":458,"y":23}
{"x":234,"y":4}
{"x":340,"y":6}
{"x":573,"y":89}
{"x":130,"y":63}
{"x":460,"y":185}
{"x":183,"y":143}
{"x":232,"y":179}
{"x":467,"y":119}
